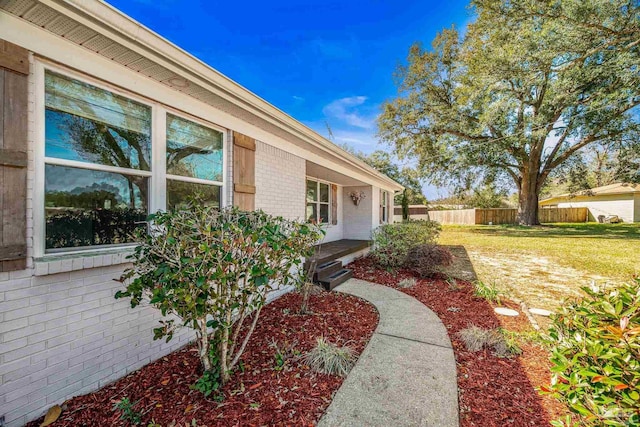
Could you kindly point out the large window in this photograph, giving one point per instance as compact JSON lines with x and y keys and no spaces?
{"x":318,"y":205}
{"x":98,"y":168}
{"x":97,"y":157}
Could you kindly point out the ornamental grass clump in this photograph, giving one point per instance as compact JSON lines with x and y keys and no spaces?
{"x":330,"y":359}
{"x":212,"y":269}
{"x":392,"y":242}
{"x":427,"y":260}
{"x":595,"y":346}
{"x":476,"y":339}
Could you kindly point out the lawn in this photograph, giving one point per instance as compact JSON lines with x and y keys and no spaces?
{"x":545,"y":264}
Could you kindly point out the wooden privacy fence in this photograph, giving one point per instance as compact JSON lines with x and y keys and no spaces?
{"x":506,"y":216}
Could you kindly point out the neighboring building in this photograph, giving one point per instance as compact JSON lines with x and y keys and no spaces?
{"x":622,"y":200}
{"x":101,"y":122}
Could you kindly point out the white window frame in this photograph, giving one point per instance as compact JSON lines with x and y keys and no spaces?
{"x":384,"y":204}
{"x":157,"y":176}
{"x":318,"y":202}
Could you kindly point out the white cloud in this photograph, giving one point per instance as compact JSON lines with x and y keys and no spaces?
{"x":351,"y":111}
{"x":298,"y":98}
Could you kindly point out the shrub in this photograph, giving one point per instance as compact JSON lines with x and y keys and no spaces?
{"x":391,"y":242}
{"x":477,"y":339}
{"x":213,"y":268}
{"x":128,"y":413}
{"x":330,"y":359}
{"x":407,"y":283}
{"x":596,"y":356}
{"x":426,"y":260}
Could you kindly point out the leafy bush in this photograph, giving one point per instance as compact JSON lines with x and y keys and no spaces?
{"x":330,"y":359}
{"x":213,"y":268}
{"x":426,"y":260}
{"x":476,"y":338}
{"x":391,"y":242}
{"x":596,"y":356}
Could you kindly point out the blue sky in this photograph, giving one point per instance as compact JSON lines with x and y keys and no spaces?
{"x":319,"y":61}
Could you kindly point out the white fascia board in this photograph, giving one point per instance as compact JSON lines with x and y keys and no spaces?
{"x":109,"y":21}
{"x":65,"y":53}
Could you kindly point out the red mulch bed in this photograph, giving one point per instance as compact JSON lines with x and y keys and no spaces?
{"x":493,"y":391}
{"x":258,"y":395}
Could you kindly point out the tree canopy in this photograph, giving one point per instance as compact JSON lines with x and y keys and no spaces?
{"x":531,"y":85}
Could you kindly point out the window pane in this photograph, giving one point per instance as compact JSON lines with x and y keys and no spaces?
{"x":312,"y":191}
{"x":312,"y":213}
{"x":180,"y":192}
{"x":89,"y":124}
{"x":193,"y":150}
{"x":324,"y":192}
{"x":324,"y":213}
{"x":87,"y":208}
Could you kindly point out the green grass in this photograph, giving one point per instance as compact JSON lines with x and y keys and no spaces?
{"x":610,"y":250}
{"x":545,"y":260}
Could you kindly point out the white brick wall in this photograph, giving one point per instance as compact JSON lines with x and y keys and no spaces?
{"x":64,"y":334}
{"x":280,"y":182}
{"x":358,"y":220}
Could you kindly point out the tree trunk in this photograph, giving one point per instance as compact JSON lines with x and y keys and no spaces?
{"x":203,"y":344}
{"x":528,"y":198}
{"x":405,"y":205}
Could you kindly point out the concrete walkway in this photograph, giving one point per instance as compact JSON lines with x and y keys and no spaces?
{"x":406,"y":376}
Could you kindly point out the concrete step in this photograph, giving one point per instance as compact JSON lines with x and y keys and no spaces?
{"x":336,"y":279}
{"x":326,"y":269}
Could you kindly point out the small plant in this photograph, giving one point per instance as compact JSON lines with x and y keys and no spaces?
{"x":476,"y":339}
{"x":596,"y":356}
{"x":330,"y":359}
{"x":409,"y":282}
{"x":209,"y":383}
{"x":283,"y":353}
{"x":427,"y":259}
{"x":392,"y":242}
{"x":128,"y":413}
{"x":453,"y":284}
{"x":488,"y":292}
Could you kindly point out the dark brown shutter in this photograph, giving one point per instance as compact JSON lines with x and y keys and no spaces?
{"x":244,"y":172}
{"x":381,"y":207}
{"x":14,"y":70}
{"x":334,"y":204}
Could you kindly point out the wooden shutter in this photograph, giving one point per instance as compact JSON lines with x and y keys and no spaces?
{"x":381,"y":207}
{"x":14,"y":70}
{"x":334,"y":204}
{"x":244,"y":171}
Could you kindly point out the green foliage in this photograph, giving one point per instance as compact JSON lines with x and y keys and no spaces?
{"x":596,"y":356}
{"x":391,"y":242}
{"x":128,"y":412}
{"x":427,"y":259}
{"x":330,"y":359}
{"x":209,"y":268}
{"x":210,"y":382}
{"x":486,"y":291}
{"x":530,"y":85}
{"x":283,"y":353}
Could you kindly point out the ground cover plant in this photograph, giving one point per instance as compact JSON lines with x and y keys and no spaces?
{"x":211,"y":269}
{"x":262,"y":392}
{"x":543,"y":265}
{"x":596,"y":356}
{"x":493,"y":390}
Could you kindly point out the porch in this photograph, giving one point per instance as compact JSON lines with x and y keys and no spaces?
{"x":330,"y":251}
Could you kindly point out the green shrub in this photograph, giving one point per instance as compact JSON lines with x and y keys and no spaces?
{"x":330,"y":359}
{"x":426,"y":260}
{"x":596,"y":356}
{"x":128,"y":413}
{"x":391,"y":242}
{"x":212,"y":269}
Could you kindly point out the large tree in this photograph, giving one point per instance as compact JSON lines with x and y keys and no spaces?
{"x":529,"y":86}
